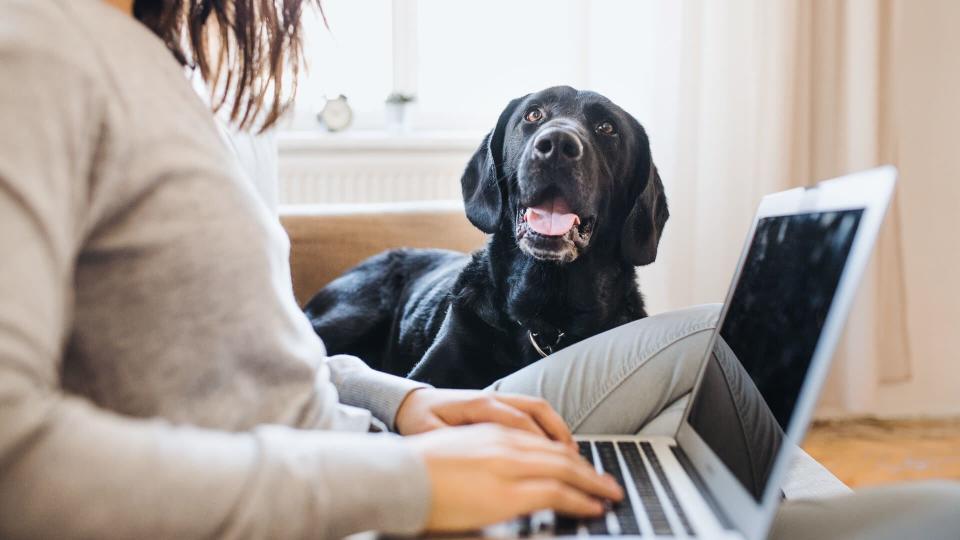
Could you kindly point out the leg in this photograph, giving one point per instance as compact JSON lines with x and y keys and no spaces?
{"x":647,"y":369}
{"x":637,"y":378}
{"x":916,"y":510}
{"x":621,"y":380}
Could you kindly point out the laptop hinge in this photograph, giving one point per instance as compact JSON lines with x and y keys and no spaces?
{"x":701,"y":486}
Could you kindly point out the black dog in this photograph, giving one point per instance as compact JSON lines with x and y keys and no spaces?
{"x":567,"y":188}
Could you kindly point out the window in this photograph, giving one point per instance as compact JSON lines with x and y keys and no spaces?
{"x":465,"y":59}
{"x":354,"y":58}
{"x":473,"y":57}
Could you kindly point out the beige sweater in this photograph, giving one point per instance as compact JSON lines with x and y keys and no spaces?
{"x":157,"y":379}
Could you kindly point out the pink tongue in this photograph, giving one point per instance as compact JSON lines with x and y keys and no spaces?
{"x":552,"y":218}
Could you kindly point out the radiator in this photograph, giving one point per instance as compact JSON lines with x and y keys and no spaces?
{"x":333,"y":169}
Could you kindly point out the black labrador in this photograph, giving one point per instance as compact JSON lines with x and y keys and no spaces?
{"x":567,"y":189}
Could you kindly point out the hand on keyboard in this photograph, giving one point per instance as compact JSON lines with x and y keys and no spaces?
{"x":427,"y":409}
{"x":486,"y":474}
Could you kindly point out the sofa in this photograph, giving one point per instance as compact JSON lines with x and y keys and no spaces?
{"x":327,"y":240}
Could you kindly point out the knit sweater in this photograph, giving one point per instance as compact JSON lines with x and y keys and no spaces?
{"x":157,"y":379}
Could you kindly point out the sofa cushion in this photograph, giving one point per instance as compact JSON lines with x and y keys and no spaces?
{"x":326,"y":240}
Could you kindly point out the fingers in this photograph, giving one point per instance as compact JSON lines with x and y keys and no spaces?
{"x":545,"y":493}
{"x":430,"y":423}
{"x":488,"y":409}
{"x":524,"y":442}
{"x":572,"y":471}
{"x":525,"y":413}
{"x":535,"y":457}
{"x":487,"y":473}
{"x":541,"y":411}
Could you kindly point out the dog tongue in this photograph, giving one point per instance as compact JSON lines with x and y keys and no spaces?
{"x":551,"y":218}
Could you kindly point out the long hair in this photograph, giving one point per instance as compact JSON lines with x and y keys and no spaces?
{"x":249,"y":52}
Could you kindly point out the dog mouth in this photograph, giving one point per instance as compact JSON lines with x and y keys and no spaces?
{"x":551,"y":231}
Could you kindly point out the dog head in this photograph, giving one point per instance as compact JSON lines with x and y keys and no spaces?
{"x":565,"y":170}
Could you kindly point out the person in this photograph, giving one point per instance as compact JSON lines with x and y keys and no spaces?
{"x":156,"y":376}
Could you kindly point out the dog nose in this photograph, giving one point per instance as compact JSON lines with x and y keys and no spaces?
{"x":557,"y":143}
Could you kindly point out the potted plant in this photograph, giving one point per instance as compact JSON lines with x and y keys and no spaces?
{"x":397,"y":105}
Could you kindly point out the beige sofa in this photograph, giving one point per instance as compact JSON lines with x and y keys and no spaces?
{"x":326,"y":240}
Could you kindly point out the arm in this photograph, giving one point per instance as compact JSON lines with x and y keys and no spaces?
{"x":360,"y":386}
{"x":70,"y":469}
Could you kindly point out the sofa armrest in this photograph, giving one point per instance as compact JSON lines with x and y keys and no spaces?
{"x":326,"y":240}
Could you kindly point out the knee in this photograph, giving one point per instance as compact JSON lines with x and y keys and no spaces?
{"x":675,"y":327}
{"x":676,"y":339}
{"x":700,"y":316}
{"x":657,"y":357}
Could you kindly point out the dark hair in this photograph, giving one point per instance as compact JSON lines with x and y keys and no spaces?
{"x":249,"y":52}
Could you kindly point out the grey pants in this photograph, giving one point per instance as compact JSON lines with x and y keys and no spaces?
{"x":637,"y":379}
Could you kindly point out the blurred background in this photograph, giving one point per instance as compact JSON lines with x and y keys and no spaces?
{"x":740,"y":98}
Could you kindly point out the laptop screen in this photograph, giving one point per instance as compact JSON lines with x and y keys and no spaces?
{"x":768,"y":337}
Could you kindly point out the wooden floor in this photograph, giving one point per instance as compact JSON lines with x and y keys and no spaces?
{"x":871,"y":452}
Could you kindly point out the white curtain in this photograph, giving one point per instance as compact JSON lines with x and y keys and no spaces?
{"x":768,"y":96}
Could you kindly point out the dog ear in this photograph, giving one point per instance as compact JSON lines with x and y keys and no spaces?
{"x":644,"y":225}
{"x":482,"y":181}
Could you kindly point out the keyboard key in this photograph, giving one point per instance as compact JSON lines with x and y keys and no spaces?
{"x":658,"y":469}
{"x":645,"y":489}
{"x":568,"y":525}
{"x":524,"y":526}
{"x":564,"y":525}
{"x":622,"y":510}
{"x":597,"y":526}
{"x":584,"y":448}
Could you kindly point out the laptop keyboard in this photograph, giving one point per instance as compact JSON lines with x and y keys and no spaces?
{"x":622,"y":519}
{"x":655,"y":463}
{"x":623,"y":510}
{"x":648,"y":494}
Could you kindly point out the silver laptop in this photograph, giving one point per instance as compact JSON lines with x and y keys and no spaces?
{"x":781,"y":320}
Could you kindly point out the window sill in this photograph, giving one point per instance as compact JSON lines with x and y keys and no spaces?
{"x":312,"y":141}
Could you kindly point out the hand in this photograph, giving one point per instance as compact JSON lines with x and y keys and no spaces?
{"x":482,"y":475}
{"x":426,"y":409}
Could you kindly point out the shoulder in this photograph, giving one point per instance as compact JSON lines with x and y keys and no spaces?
{"x":54,"y":91}
{"x":45,"y":30}
{"x":48,"y":55}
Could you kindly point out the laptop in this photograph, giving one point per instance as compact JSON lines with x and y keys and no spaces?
{"x":783,"y":315}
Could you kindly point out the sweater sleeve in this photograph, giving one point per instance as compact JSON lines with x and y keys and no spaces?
{"x":70,"y":469}
{"x":360,"y":386}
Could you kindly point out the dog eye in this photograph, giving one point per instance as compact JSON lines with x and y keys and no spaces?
{"x":535,"y":114}
{"x":606,"y":128}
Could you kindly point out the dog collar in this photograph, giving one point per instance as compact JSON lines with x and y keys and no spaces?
{"x":543,"y":350}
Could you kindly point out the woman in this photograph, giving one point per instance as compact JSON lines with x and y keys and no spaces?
{"x":156,"y":376}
